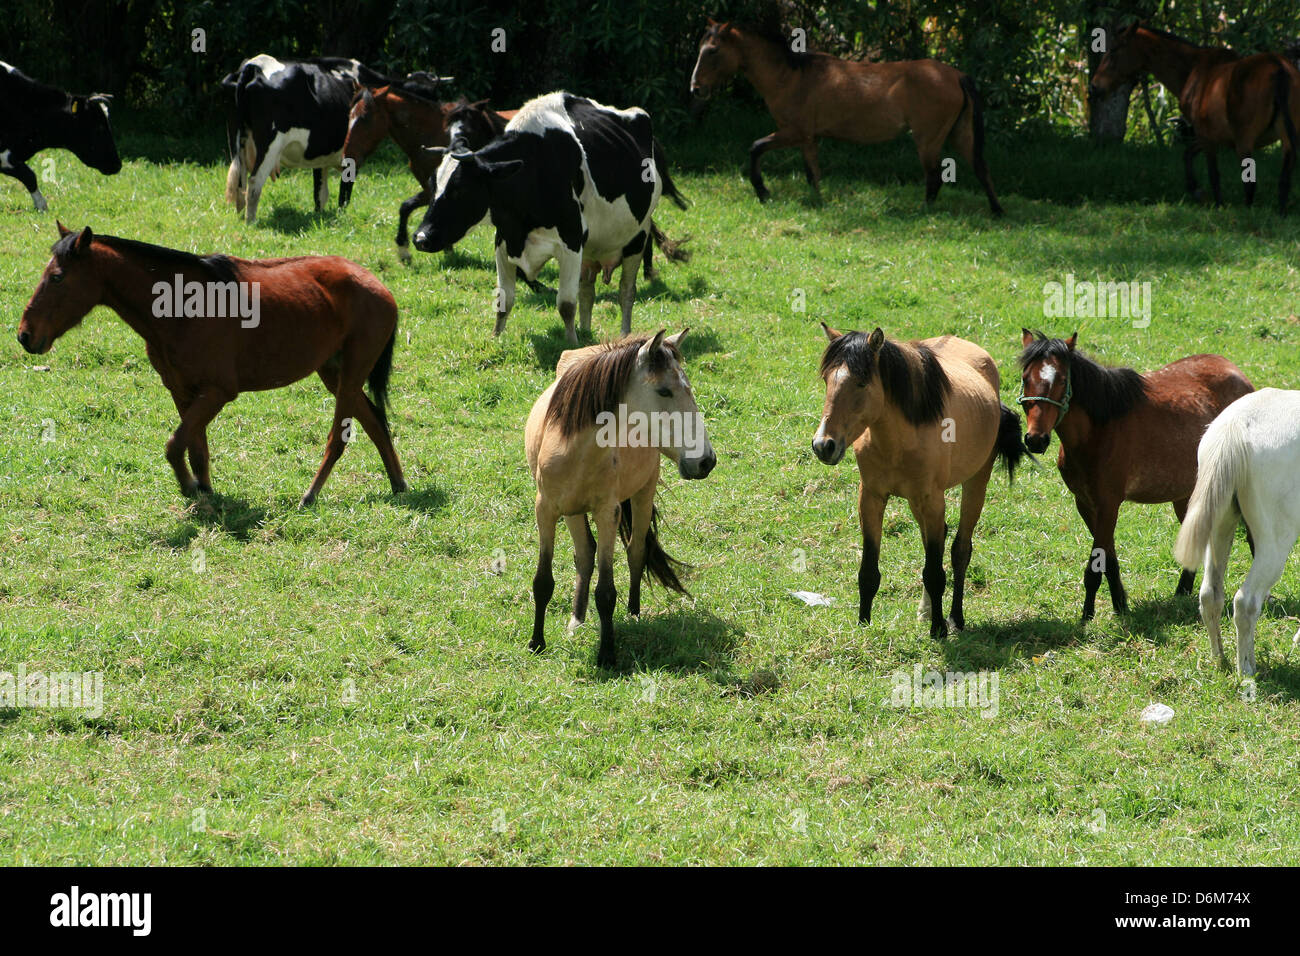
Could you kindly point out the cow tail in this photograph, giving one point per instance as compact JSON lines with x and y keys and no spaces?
{"x":674,"y":249}
{"x":669,"y":187}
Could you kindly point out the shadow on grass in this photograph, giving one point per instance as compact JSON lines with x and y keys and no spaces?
{"x":548,"y":345}
{"x":1281,"y":678}
{"x":681,"y":641}
{"x":430,"y":500}
{"x":235,"y":516}
{"x":288,"y":220}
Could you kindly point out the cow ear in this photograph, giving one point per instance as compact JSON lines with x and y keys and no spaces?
{"x":502,"y":170}
{"x":63,"y":230}
{"x":831,"y":334}
{"x":1026,"y":337}
{"x":1069,"y":343}
{"x":82,"y":245}
{"x":876,"y":339}
{"x":676,"y":340}
{"x":651,"y":346}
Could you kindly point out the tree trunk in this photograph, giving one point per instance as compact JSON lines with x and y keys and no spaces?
{"x":1107,"y":115}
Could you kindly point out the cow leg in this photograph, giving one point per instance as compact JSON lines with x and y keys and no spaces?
{"x":587,"y":295}
{"x":632,"y":253}
{"x":257,"y":179}
{"x":505,"y":292}
{"x":23,"y":173}
{"x":345,"y":191}
{"x":403,"y":214}
{"x":567,"y":299}
{"x":321,"y":181}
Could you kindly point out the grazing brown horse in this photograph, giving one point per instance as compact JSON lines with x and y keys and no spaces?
{"x":922,"y":417}
{"x":1232,"y":102}
{"x":815,"y":94}
{"x":1124,"y":437}
{"x":583,"y":466}
{"x":215,"y":326}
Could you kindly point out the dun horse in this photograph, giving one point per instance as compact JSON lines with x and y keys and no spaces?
{"x":1231,"y":102}
{"x":1124,"y":437}
{"x":922,"y":417}
{"x":594,"y":440}
{"x":215,"y":326}
{"x":814,"y":94}
{"x":1247,"y":461}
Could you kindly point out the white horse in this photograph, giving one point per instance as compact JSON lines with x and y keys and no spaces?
{"x":1247,"y":468}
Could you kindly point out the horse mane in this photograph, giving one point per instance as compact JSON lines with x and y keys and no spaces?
{"x":218,"y":267}
{"x":910,"y":373}
{"x":773,"y":37}
{"x":1103,"y":391}
{"x":596,"y":383}
{"x":1165,"y":34}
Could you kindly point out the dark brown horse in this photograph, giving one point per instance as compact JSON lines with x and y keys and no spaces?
{"x":1124,"y":437}
{"x":215,"y":326}
{"x":815,"y":94}
{"x":1232,"y":102}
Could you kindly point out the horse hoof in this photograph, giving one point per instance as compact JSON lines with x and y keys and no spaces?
{"x":400,"y":487}
{"x":575,"y":622}
{"x":307,"y":500}
{"x":191,"y":490}
{"x":606,"y":661}
{"x":956,"y":624}
{"x":204,"y":489}
{"x":537,"y":645}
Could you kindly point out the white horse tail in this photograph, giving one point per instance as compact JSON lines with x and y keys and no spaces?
{"x":1221,"y":460}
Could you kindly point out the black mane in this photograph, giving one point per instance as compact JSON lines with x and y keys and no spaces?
{"x":1105,"y":393}
{"x":218,"y":267}
{"x":910,"y":374}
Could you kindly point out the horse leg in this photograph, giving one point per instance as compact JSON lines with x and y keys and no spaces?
{"x":607,"y":518}
{"x":812,"y":170}
{"x":584,"y":560}
{"x":642,"y":508}
{"x":1272,"y":550}
{"x":586,"y":294}
{"x":1212,"y":167}
{"x":972,"y":504}
{"x":782,"y":137}
{"x":1284,"y":183}
{"x":1187,"y":579}
{"x":1247,"y":186}
{"x":1189,"y":171}
{"x":871,"y":515}
{"x":963,"y":138}
{"x":1104,"y":541}
{"x":928,"y":513}
{"x":346,"y":385}
{"x":1217,"y":551}
{"x":377,"y":428}
{"x":403,"y":214}
{"x":198,"y":450}
{"x":1091,"y":575}
{"x":194,"y":421}
{"x":505,"y":291}
{"x":543,"y":580}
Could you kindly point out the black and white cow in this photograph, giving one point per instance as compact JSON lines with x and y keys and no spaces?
{"x":34,"y":117}
{"x":291,"y":113}
{"x":569,"y":179}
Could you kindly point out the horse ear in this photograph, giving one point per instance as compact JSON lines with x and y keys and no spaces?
{"x":1026,"y":337}
{"x":1069,"y":343}
{"x":676,"y":340}
{"x":650,"y":347}
{"x":436,"y":150}
{"x":82,"y":245}
{"x":876,"y":340}
{"x":63,"y":230}
{"x":831,"y":334}
{"x":480,"y":105}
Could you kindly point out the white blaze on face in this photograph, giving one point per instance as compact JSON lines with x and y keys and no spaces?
{"x":835,"y":380}
{"x":1048,"y":375}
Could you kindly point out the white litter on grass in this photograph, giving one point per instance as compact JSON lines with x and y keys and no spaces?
{"x":1158,"y":714}
{"x":812,"y":598}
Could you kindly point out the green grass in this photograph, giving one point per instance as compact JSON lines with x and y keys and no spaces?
{"x":350,"y":683}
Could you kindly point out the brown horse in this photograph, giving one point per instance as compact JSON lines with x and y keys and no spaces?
{"x":1233,"y":102}
{"x":922,"y":417}
{"x":1124,"y":437}
{"x":815,"y":94}
{"x":216,"y":326}
{"x":594,"y":440}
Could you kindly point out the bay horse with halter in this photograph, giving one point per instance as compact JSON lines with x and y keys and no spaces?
{"x":1231,"y":102}
{"x":215,"y":326}
{"x":1124,"y":437}
{"x":815,"y":94}
{"x":921,"y":417}
{"x":594,"y":440}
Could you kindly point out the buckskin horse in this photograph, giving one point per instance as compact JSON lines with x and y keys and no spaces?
{"x":1124,"y":437}
{"x":321,"y":314}
{"x":815,"y":94}
{"x":1232,"y":102}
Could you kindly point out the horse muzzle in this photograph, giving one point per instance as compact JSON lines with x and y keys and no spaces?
{"x":31,"y":345}
{"x":694,"y":468}
{"x":1038,"y":443}
{"x":828,"y":450}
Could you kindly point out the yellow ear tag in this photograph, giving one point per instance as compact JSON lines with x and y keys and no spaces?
{"x":74,"y":106}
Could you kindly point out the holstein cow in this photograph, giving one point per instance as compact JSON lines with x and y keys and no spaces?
{"x":569,"y":179}
{"x":291,"y":113}
{"x":34,"y":117}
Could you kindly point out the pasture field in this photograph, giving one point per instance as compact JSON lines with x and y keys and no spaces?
{"x":350,"y":683}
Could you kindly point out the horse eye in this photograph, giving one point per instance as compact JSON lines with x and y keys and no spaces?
{"x":56,"y":276}
{"x":665,"y":392}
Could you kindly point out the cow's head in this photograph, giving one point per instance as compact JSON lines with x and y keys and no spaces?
{"x":90,"y":136}
{"x":462,"y":194}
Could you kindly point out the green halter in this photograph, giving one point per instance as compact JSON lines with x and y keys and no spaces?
{"x":1063,"y":405}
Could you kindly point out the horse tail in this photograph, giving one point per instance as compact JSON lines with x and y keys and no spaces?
{"x":1221,"y":463}
{"x":1010,"y":445}
{"x":977,"y":140}
{"x":674,"y":249}
{"x":661,"y":164}
{"x":378,"y":379}
{"x":1282,"y":105}
{"x":662,"y":568}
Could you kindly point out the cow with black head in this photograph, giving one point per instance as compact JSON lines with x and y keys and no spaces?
{"x":34,"y":117}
